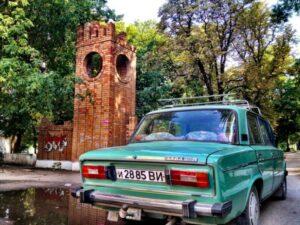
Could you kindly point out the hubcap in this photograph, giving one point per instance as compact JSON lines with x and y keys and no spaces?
{"x":253,"y":209}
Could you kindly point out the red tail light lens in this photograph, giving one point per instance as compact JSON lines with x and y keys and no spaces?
{"x":187,"y":178}
{"x":94,"y":172}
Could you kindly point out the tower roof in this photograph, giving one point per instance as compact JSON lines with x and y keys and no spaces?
{"x":95,"y":32}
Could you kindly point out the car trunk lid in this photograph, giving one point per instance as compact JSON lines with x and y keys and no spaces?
{"x":159,"y":151}
{"x":168,"y":167}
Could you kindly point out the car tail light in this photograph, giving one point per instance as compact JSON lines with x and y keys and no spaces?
{"x":187,"y":178}
{"x":95,"y":172}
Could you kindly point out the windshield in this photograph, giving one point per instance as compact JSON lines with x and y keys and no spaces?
{"x":207,"y":125}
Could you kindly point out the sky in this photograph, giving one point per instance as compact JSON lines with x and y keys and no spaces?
{"x":142,"y":10}
{"x":136,"y":9}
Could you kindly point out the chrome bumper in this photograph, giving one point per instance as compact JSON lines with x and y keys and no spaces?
{"x":186,"y":209}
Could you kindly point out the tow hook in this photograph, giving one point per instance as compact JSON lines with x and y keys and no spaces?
{"x":75,"y":192}
{"x":130,"y":213}
{"x":123,"y":211}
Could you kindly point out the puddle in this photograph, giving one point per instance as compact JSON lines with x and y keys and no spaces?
{"x":49,"y":206}
{"x":34,"y":206}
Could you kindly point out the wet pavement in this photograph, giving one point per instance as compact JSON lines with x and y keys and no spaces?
{"x":24,"y":200}
{"x":47,"y":206}
{"x":34,"y":206}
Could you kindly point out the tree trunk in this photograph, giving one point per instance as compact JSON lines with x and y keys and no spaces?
{"x":221,"y":75}
{"x":35,"y":139}
{"x":17,"y":145}
{"x":288,"y":149}
{"x":220,"y":86}
{"x":206,"y":77}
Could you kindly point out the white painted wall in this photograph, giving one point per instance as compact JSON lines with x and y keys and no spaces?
{"x":5,"y":145}
{"x":57,"y":164}
{"x":20,"y":159}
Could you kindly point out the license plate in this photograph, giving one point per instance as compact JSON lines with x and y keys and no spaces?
{"x":141,"y":175}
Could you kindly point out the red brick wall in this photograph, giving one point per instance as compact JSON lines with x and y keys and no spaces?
{"x":80,"y":213}
{"x":55,"y":141}
{"x":103,"y":105}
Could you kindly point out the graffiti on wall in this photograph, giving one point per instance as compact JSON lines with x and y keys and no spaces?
{"x":56,"y":143}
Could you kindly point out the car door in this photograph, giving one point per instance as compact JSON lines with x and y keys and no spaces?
{"x":263,"y":152}
{"x":278,"y":155}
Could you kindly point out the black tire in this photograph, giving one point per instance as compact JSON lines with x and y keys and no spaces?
{"x":281,"y":192}
{"x":251,"y":215}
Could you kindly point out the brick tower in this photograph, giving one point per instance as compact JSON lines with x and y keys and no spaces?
{"x":104,"y":107}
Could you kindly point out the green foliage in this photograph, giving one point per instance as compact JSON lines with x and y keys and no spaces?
{"x":54,"y":35}
{"x":204,"y":32}
{"x":199,"y":47}
{"x":33,"y":32}
{"x":23,"y":95}
{"x":152,"y":82}
{"x":284,"y":9}
{"x":287,"y":105}
{"x":263,"y":56}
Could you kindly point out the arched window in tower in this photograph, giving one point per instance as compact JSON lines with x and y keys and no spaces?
{"x":122,"y":65}
{"x":93,"y":64}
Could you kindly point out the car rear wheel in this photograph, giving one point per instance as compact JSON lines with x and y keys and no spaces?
{"x":282,"y":191}
{"x":251,"y":214}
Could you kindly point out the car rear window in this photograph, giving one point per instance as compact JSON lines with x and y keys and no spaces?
{"x":208,"y":125}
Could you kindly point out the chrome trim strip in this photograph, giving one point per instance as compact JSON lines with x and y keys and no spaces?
{"x":163,"y":206}
{"x":239,"y":166}
{"x":147,"y":160}
{"x":171,"y":192}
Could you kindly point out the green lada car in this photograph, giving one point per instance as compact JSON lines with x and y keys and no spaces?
{"x":202,"y":164}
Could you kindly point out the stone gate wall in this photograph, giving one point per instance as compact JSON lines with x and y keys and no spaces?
{"x":55,"y":141}
{"x":104,"y":101}
{"x":103,"y":114}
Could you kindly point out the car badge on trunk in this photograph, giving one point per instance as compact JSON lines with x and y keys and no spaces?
{"x":181,"y":159}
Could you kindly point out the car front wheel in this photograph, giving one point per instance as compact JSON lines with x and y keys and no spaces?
{"x":251,"y":214}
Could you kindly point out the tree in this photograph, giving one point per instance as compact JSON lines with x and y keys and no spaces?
{"x":284,"y":9}
{"x":3,"y":3}
{"x":263,"y":57}
{"x":23,"y":96}
{"x":54,"y":35}
{"x":287,"y":105}
{"x":152,"y":67}
{"x":203,"y":34}
{"x":36,"y":33}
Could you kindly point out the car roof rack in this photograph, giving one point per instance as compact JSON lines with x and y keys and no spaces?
{"x":220,"y":99}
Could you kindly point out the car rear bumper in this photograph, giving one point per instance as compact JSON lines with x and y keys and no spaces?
{"x":186,"y":209}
